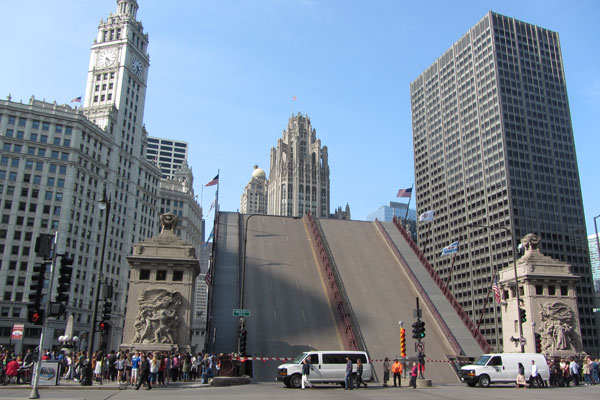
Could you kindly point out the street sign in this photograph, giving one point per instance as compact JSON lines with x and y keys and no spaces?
{"x":17,"y":332}
{"x":241,"y":312}
{"x":420,"y":346}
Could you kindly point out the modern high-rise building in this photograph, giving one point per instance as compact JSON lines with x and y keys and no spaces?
{"x":299,"y":173}
{"x":254,"y":198}
{"x":57,"y":162}
{"x":494,"y":157}
{"x":594,"y":260}
{"x":168,"y":154}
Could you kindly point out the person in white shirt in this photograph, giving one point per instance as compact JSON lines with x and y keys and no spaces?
{"x":535,"y":380}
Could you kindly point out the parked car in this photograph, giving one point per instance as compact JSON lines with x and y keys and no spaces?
{"x":502,"y":368}
{"x":326,"y":367}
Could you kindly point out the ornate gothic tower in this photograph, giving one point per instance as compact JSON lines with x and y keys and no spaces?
{"x":117,"y":75}
{"x":299,"y":175}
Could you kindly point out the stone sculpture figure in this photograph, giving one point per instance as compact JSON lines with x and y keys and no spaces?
{"x":168,"y":222}
{"x":557,"y":327}
{"x":157,"y":320}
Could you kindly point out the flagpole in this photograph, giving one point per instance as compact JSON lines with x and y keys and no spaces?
{"x":483,"y":309}
{"x":408,"y":205}
{"x":451,"y":271}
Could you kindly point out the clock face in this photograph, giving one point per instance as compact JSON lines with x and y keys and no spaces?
{"x":136,"y":66}
{"x":106,"y":58}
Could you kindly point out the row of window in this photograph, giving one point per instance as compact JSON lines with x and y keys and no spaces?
{"x":161,"y":275}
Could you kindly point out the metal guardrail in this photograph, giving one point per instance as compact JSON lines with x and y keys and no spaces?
{"x":343,"y":316}
{"x":481,"y":340}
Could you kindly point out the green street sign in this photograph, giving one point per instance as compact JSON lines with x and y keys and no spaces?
{"x":241,"y":312}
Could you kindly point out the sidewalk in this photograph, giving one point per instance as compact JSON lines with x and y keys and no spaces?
{"x":107,"y":385}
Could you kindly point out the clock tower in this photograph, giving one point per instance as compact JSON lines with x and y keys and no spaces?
{"x":114,"y":100}
{"x":117,"y":76}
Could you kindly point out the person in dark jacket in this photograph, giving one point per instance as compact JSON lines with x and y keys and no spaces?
{"x":348,"y":379}
{"x":359,"y":372}
{"x":144,"y":373}
{"x":306,"y":373}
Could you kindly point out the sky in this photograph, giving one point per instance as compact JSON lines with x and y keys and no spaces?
{"x":223,"y":72}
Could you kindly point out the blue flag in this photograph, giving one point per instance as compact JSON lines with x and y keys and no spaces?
{"x":451,"y":248}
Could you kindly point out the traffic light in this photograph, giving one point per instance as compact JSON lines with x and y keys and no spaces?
{"x":421,"y":325}
{"x":402,"y":342}
{"x":43,"y":245}
{"x":243,"y":342}
{"x":101,"y":326}
{"x":64,"y":279}
{"x":523,"y":315}
{"x":415,"y":330}
{"x":37,"y":283}
{"x":106,"y":310}
{"x":36,"y":317}
{"x":538,"y":343}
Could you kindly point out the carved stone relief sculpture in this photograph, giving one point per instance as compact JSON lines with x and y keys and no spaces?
{"x":556,"y":329}
{"x":158,"y":316}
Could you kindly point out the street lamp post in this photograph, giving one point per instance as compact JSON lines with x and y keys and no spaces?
{"x":103,"y":204}
{"x":514,"y":245}
{"x":597,"y":240}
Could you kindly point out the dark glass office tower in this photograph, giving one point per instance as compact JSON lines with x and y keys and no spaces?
{"x":494,"y":147}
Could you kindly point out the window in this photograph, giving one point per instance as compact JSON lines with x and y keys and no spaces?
{"x":564,"y":290}
{"x":161,"y":275}
{"x":551,"y":290}
{"x":177,"y":276}
{"x":144,"y":274}
{"x":539,"y":289}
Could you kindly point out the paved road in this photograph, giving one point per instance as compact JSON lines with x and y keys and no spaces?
{"x":277,"y":391}
{"x":284,"y":290}
{"x":225,"y":286}
{"x":381,"y":295}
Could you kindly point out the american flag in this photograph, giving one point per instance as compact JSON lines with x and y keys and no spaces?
{"x":404,"y":192}
{"x":496,"y":290}
{"x":76,"y":100}
{"x":214,"y":181}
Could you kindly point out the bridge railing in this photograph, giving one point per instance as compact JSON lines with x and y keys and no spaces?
{"x":481,"y":340}
{"x":342,"y":314}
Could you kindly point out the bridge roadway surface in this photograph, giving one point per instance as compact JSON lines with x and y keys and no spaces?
{"x":284,"y":290}
{"x":381,"y":295}
{"x":268,"y":391}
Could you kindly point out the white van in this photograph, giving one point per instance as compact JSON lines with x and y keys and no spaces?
{"x":502,"y":368}
{"x":326,"y":367}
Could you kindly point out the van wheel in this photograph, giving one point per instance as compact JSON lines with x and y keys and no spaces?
{"x":484,"y":381}
{"x":354,"y":381}
{"x":296,"y":381}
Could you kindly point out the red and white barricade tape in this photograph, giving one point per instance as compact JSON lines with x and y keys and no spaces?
{"x":265,"y":359}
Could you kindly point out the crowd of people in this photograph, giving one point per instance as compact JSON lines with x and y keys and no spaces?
{"x":133,"y":368}
{"x":563,"y":373}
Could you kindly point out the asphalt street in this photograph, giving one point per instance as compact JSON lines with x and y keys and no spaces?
{"x":267,"y":391}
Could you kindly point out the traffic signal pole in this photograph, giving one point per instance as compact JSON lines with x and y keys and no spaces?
{"x":35,"y":394}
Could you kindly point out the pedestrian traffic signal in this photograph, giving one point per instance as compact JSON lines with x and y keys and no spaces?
{"x":402,"y":342}
{"x":106,"y":310}
{"x":101,"y":326}
{"x":36,"y":317}
{"x":523,"y":315}
{"x":538,"y":343}
{"x":243,"y":342}
{"x":64,"y":279}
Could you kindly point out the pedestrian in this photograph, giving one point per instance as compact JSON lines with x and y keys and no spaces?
{"x":397,"y":371}
{"x":144,"y":373}
{"x":98,"y":367}
{"x":587,"y":371}
{"x":414,"y":372}
{"x":534,"y":378}
{"x":574,"y":371}
{"x":305,"y":373}
{"x":11,"y":370}
{"x":135,"y":368}
{"x":112,"y":366}
{"x":348,"y":378}
{"x":120,"y":366}
{"x":386,"y":371}
{"x":595,"y":377}
{"x":359,"y":372}
{"x":421,"y":365}
{"x":161,"y":370}
{"x":154,"y":366}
